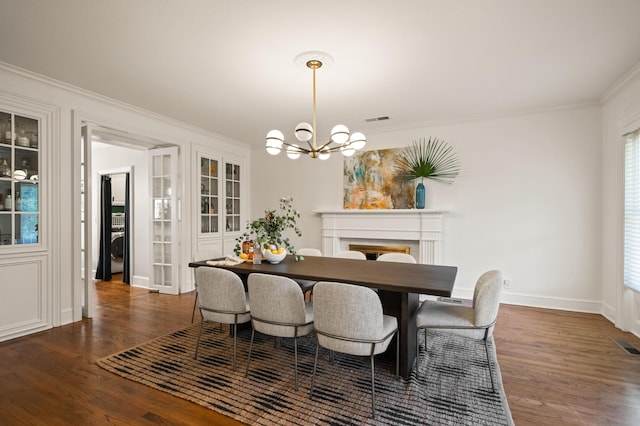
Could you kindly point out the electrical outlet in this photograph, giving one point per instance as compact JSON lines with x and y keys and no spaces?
{"x":507,"y":283}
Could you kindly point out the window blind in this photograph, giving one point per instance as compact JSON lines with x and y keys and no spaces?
{"x":632,"y":211}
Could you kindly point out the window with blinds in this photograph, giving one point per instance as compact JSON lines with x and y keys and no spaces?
{"x":632,"y":211}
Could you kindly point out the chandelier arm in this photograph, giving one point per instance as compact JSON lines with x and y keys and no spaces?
{"x":301,"y":148}
{"x":332,"y":149}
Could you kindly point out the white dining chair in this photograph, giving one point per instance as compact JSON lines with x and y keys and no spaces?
{"x":307,"y":285}
{"x":349,"y":319}
{"x":308,"y":251}
{"x":278,"y":309}
{"x":396,"y":257}
{"x":476,"y":321}
{"x":222,"y":299}
{"x":350,"y":254}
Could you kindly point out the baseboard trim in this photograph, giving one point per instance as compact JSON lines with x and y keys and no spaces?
{"x":140,"y":281}
{"x":575,"y":305}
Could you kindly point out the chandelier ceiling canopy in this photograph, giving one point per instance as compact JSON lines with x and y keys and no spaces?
{"x":340,"y":139}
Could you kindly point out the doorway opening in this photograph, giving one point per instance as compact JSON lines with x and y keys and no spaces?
{"x":114,"y":153}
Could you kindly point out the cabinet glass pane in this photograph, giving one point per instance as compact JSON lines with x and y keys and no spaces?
{"x":19,"y":179}
{"x":26,"y":228}
{"x":6,"y":129}
{"x":208,"y":195}
{"x":5,"y":229}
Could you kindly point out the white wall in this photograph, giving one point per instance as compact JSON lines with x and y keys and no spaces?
{"x":106,"y":159}
{"x":620,"y":306}
{"x":527,"y":201}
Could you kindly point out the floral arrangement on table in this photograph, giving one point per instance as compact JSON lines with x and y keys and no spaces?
{"x":267,"y":231}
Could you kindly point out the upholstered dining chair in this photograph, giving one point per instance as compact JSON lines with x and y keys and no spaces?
{"x":278,"y":309}
{"x":307,"y":285}
{"x":350,"y":254}
{"x":396,"y":257}
{"x":221,"y":298}
{"x":308,"y":251}
{"x":476,"y":321}
{"x":349,"y":319}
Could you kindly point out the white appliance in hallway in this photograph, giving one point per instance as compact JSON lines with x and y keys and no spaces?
{"x":117,"y":242}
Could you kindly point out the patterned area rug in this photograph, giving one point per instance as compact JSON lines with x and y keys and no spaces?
{"x":454,"y":387}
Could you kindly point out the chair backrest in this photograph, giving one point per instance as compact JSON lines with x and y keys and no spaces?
{"x":275,"y":299}
{"x":309,"y":252}
{"x":351,"y":254}
{"x":220,"y":290}
{"x":347,"y":310}
{"x":396,"y":257}
{"x":486,"y":297}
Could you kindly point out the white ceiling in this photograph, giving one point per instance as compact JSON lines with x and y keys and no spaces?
{"x":227,"y":66}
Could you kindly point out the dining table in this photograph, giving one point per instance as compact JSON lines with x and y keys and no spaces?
{"x":399,"y":286}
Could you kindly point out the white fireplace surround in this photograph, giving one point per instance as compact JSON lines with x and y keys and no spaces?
{"x":420,"y":230}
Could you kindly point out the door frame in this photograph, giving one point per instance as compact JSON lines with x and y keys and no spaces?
{"x":83,"y":289}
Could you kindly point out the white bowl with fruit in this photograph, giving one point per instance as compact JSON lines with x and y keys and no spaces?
{"x":274,"y":254}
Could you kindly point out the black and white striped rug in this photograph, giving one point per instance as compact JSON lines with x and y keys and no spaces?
{"x":454,"y":387}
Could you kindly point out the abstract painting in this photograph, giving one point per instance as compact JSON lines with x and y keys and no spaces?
{"x":371,"y":182}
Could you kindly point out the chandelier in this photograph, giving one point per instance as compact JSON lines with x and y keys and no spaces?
{"x":340,"y":139}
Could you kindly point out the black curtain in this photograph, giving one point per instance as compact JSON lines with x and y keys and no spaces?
{"x":103,"y":272}
{"x":126,"y":265}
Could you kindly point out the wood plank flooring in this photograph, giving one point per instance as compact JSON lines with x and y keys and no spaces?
{"x":557,"y":367}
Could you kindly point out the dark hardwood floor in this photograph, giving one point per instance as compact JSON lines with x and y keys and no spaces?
{"x":557,"y":367}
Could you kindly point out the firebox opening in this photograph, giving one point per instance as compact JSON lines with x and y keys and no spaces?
{"x":372,"y":252}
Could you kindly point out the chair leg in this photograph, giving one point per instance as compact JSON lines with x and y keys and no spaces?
{"x":417,"y":353}
{"x":198,"y":341}
{"x":235,"y":343}
{"x":253,"y":332}
{"x":295,"y":359}
{"x":373,"y":384}
{"x":397,"y":354}
{"x":418,"y":350}
{"x":315,"y":364}
{"x":195,"y":303}
{"x":486,"y":349}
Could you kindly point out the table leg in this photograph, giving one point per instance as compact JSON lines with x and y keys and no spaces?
{"x":403,"y":306}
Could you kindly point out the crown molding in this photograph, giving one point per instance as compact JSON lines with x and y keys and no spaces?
{"x":113,"y":102}
{"x":631,"y":76}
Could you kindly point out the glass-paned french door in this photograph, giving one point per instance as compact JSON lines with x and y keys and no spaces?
{"x":164,"y":220}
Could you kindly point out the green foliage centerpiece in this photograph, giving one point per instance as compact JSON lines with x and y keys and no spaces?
{"x":427,"y":159}
{"x":267,"y":231}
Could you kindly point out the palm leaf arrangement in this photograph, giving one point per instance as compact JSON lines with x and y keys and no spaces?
{"x":428,"y":159}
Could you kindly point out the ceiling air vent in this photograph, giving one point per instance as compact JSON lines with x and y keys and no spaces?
{"x":383,"y":118}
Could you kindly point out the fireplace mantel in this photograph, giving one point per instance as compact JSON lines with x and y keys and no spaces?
{"x":423,"y":228}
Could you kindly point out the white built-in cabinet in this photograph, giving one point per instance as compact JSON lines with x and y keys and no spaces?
{"x":219,"y":212}
{"x":26,"y":130}
{"x":118,"y":189}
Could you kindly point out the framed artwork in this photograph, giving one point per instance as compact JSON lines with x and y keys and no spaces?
{"x":371,"y":182}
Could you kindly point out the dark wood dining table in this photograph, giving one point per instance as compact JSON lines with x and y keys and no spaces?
{"x":399,"y":286}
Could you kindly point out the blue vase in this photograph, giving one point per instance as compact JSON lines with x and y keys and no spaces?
{"x":421,"y":196}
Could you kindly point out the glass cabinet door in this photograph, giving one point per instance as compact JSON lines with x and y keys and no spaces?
{"x":232,"y":197}
{"x":209,"y":210}
{"x":19,"y":179}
